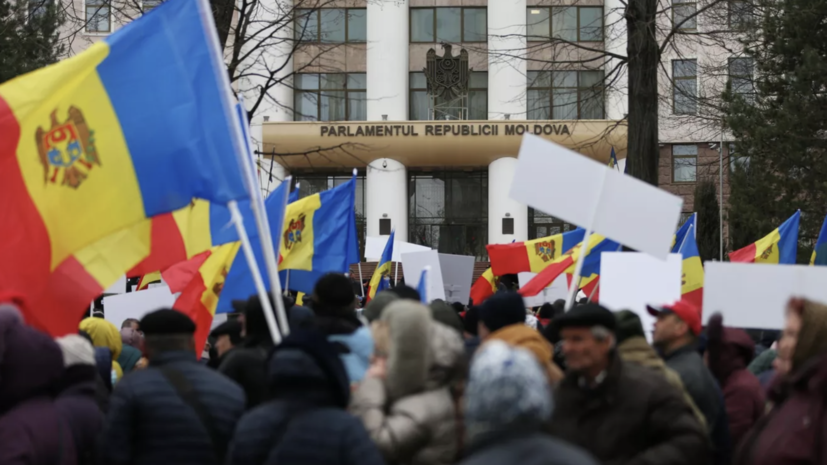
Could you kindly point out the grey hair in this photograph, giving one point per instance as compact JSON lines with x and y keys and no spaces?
{"x":602,"y":333}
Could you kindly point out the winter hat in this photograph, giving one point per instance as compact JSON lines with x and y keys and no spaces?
{"x":406,"y":292}
{"x":445,"y":314}
{"x":507,"y":390}
{"x":812,"y":339}
{"x":729,"y":349}
{"x":377,"y":305}
{"x":165,"y":322}
{"x":470,"y":320}
{"x":628,"y":326}
{"x":76,"y":350}
{"x":502,"y":309}
{"x":333,"y":296}
{"x":586,"y":316}
{"x":530,"y":339}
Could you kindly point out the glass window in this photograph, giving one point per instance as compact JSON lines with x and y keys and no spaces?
{"x":38,"y":8}
{"x":357,"y":25}
{"x":685,"y":87}
{"x":450,"y":25}
{"x":331,"y":25}
{"x":538,"y":24}
{"x":684,"y":16}
{"x":150,"y":4}
{"x":564,"y":23}
{"x":542,"y":225}
{"x":737,"y":161}
{"x":98,"y":15}
{"x":591,"y":24}
{"x":330,"y":97}
{"x":565,"y":95}
{"x":422,"y":25}
{"x":684,"y":163}
{"x":474,"y":27}
{"x":740,"y":77}
{"x":740,"y":13}
{"x":419,"y":109}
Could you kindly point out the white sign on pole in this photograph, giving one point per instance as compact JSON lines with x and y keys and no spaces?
{"x":631,"y":281}
{"x":117,"y":308}
{"x":751,"y":295}
{"x":375,"y":245}
{"x":563,"y":183}
{"x":557,"y":290}
{"x":457,"y":273}
{"x":414,"y":263}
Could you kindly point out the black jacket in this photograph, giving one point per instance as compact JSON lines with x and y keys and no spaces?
{"x":247,"y":366}
{"x":149,"y":423}
{"x":634,"y":416}
{"x":306,"y":422}
{"x":526,"y":449}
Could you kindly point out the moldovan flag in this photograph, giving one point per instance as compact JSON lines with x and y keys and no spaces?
{"x":566,"y":264}
{"x":484,"y":287}
{"x":377,"y":282}
{"x":136,"y":126}
{"x":779,"y":246}
{"x":533,"y":255}
{"x":677,"y":241}
{"x":199,"y":297}
{"x":692,"y":276}
{"x":820,"y":250}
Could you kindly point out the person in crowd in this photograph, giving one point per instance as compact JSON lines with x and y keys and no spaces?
{"x":227,"y":336}
{"x":406,"y":292}
{"x":675,"y":336}
{"x":445,"y":314}
{"x":500,"y":310}
{"x":43,"y":418}
{"x":620,"y":412}
{"x":763,"y":362}
{"x":335,"y":308}
{"x":728,"y":352}
{"x":130,"y":349}
{"x":519,"y":334}
{"x":507,"y":405}
{"x":531,"y":320}
{"x":545,"y":314}
{"x":406,"y":401}
{"x":76,"y":399}
{"x":105,"y":336}
{"x":793,"y":432}
{"x":306,"y":420}
{"x":176,"y":410}
{"x":632,"y":347}
{"x":373,"y":310}
{"x":133,"y":324}
{"x":246,"y":364}
{"x":458,"y":307}
{"x":470,"y":331}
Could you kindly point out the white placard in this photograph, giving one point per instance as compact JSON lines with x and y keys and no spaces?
{"x":631,"y":281}
{"x":751,"y":295}
{"x":375,"y":245}
{"x":579,"y":190}
{"x":557,"y":290}
{"x":119,"y":307}
{"x":457,"y":274}
{"x":414,"y":263}
{"x":119,"y":287}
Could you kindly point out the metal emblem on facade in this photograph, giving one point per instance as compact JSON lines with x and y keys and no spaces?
{"x":447,"y":78}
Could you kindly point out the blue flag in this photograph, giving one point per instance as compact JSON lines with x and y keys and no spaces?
{"x":422,"y":287}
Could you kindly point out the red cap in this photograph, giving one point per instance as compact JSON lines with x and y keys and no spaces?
{"x":689,"y":313}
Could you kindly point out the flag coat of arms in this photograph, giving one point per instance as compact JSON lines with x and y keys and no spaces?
{"x":777,"y":247}
{"x":533,"y":255}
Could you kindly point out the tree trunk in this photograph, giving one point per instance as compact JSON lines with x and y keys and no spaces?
{"x":644,"y":57}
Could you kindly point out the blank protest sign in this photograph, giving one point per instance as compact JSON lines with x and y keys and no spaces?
{"x":414,"y":263}
{"x":579,"y":190}
{"x":751,"y":295}
{"x":119,"y":307}
{"x":375,"y":245}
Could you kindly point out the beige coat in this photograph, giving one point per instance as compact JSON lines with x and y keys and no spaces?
{"x":636,"y":350}
{"x":411,"y":415}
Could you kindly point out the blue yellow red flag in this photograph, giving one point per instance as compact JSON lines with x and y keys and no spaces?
{"x":819,"y":256}
{"x":383,"y":269}
{"x":136,"y":126}
{"x":613,"y":160}
{"x":566,"y":264}
{"x":532,"y":255}
{"x":692,"y":276}
{"x":484,"y":287}
{"x":778,"y":247}
{"x":677,"y":240}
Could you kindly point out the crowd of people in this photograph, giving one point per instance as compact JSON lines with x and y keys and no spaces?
{"x":399,"y":382}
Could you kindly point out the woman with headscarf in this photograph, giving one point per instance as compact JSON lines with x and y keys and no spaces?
{"x":106,"y":336}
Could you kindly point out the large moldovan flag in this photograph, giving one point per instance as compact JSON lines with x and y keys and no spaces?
{"x":779,"y":246}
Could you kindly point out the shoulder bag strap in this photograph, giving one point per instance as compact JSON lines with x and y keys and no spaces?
{"x":186,"y":392}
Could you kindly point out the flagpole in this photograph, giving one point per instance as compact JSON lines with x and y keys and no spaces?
{"x":251,"y":260}
{"x":361,"y":282}
{"x":396,"y":275}
{"x":578,"y":268}
{"x":688,"y":232}
{"x":287,"y":282}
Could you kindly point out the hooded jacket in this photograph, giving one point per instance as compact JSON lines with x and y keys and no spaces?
{"x":729,"y":352}
{"x":411,"y":414}
{"x":105,"y":334}
{"x":306,"y":421}
{"x":520,"y":335}
{"x":636,"y":350}
{"x":795,"y":430}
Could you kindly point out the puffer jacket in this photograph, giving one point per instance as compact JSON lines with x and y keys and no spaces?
{"x":636,"y":350}
{"x":411,"y":414}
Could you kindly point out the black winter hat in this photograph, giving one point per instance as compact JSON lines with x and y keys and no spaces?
{"x":333,"y":295}
{"x":166,"y":321}
{"x":501,"y":310}
{"x":230,"y":328}
{"x":586,"y":316}
{"x":628,"y":325}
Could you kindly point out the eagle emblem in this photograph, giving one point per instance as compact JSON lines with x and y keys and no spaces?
{"x":67,"y":150}
{"x":767,"y":253}
{"x":545,"y":250}
{"x":293,"y":233}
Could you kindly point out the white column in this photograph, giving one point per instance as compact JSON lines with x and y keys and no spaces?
{"x":617,"y":103}
{"x":500,"y":175}
{"x":387,"y":60}
{"x":506,"y":59}
{"x":386,"y":196}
